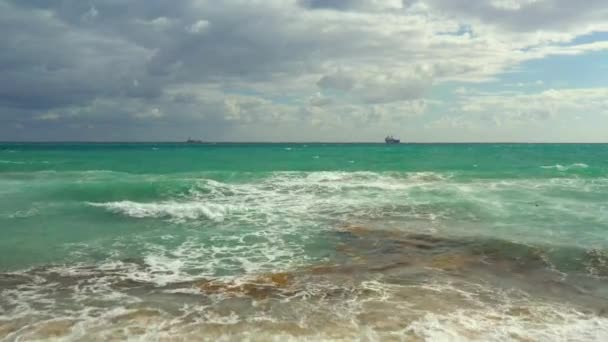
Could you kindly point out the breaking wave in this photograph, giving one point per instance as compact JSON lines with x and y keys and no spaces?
{"x":170,"y":209}
{"x":292,"y":200}
{"x":327,"y":307}
{"x":15,"y":162}
{"x":560,"y":167}
{"x":526,"y":323}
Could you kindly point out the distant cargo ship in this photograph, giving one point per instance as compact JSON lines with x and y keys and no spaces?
{"x":391,"y":140}
{"x":194,"y":141}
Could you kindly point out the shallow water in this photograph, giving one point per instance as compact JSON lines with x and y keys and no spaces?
{"x":303,"y":241}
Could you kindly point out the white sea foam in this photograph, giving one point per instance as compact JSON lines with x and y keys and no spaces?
{"x":170,"y":209}
{"x":21,"y":214}
{"x":540,"y":323}
{"x":262,"y":217}
{"x":360,"y":179}
{"x":15,"y":162}
{"x":560,"y":167}
{"x":290,"y":200}
{"x":444,"y":311}
{"x":284,"y":198}
{"x":186,"y":290}
{"x":224,"y":255}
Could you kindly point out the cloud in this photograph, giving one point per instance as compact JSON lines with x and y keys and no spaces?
{"x":331,"y":4}
{"x":337,"y":81}
{"x":271,"y":64}
{"x":91,"y":14}
{"x":49,"y":116}
{"x":199,"y":27}
{"x":525,"y":108}
{"x":152,"y":113}
{"x":48,"y":65}
{"x":375,"y":88}
{"x":347,"y":5}
{"x":526,"y":15}
{"x":319,"y":100}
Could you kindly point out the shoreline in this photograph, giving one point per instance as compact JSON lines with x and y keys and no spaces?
{"x":386,"y":281}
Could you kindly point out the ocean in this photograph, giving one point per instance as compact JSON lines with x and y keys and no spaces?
{"x":259,"y":242}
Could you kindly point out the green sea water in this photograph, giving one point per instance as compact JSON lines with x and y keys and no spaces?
{"x":303,"y":241}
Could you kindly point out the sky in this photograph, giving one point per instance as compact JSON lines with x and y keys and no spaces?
{"x":304,"y":70}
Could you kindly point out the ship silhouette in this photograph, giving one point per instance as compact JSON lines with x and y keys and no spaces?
{"x":194,"y":141}
{"x":391,"y":140}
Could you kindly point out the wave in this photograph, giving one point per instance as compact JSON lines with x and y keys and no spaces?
{"x":434,"y":309}
{"x":360,"y":179}
{"x":178,"y":211}
{"x":557,"y":207}
{"x":560,"y":167}
{"x":501,"y":208}
{"x":22,"y":214}
{"x":526,"y":323}
{"x":363,"y":298}
{"x":24,"y":162}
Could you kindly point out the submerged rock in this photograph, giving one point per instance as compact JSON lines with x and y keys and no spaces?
{"x":53,"y":329}
{"x":281,"y":279}
{"x":262,"y":287}
{"x":451,"y":262}
{"x":140,"y":315}
{"x":7,"y":328}
{"x":596,"y":262}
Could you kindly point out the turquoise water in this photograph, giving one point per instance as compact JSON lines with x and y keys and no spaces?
{"x":321,"y":241}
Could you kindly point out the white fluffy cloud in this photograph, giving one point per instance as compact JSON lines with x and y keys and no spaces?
{"x":545,"y":105}
{"x":199,"y":27}
{"x":563,"y":115}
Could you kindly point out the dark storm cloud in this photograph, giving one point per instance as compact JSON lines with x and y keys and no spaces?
{"x":104,"y":43}
{"x":47,"y":64}
{"x":239,"y":40}
{"x":67,"y":53}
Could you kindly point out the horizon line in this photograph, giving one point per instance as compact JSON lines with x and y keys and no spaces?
{"x":285,"y":142}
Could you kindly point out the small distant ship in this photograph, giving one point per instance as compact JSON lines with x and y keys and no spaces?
{"x":391,"y":140}
{"x":194,"y":141}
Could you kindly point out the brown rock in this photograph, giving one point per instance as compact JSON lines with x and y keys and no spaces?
{"x":260,"y":288}
{"x":322,"y":269}
{"x":519,"y":311}
{"x":55,"y":328}
{"x":140,"y":314}
{"x":281,"y":279}
{"x":7,"y":328}
{"x":451,"y":261}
